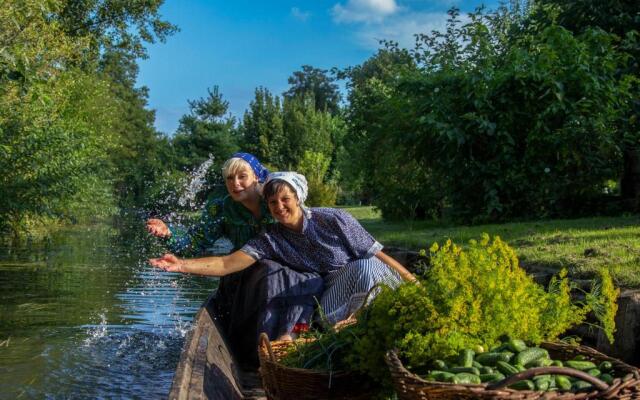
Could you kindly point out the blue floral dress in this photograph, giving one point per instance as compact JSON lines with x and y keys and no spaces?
{"x":266,"y":297}
{"x":334,"y":245}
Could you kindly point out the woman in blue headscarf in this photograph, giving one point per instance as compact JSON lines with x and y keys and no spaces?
{"x":269,"y":297}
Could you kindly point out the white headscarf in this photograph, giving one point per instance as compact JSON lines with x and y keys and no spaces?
{"x":297,"y":181}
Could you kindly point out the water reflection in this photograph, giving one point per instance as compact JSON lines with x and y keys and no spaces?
{"x":83,"y":316}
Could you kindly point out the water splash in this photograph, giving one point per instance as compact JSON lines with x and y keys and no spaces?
{"x":197,"y":180}
{"x":97,"y":332}
{"x":182,"y":327}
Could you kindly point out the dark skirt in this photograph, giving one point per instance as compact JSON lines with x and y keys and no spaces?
{"x":265,"y":297}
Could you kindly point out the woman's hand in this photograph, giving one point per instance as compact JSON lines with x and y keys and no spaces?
{"x":158,"y":228}
{"x":168,"y":262}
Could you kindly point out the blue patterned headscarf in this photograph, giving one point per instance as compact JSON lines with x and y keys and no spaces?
{"x":297,"y":181}
{"x":259,"y":169}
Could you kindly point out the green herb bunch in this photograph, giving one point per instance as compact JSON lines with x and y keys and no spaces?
{"x":467,"y":298}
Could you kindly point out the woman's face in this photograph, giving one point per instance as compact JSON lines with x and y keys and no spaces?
{"x":242,"y":185}
{"x":284,"y":207}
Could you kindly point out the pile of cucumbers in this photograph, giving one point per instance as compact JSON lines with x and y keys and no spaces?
{"x":511,"y":357}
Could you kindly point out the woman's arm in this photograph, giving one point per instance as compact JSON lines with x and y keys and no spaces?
{"x":194,"y":240}
{"x":390,"y":261}
{"x":213,"y":266}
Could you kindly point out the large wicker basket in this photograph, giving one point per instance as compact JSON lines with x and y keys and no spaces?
{"x":285,"y":383}
{"x":411,"y":387}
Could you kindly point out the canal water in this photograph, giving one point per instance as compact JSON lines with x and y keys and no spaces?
{"x":83,"y":316}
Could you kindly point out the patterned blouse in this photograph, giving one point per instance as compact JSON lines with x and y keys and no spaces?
{"x":330,"y":239}
{"x":220,"y":218}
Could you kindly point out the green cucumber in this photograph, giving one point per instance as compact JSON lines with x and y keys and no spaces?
{"x":580,"y":385}
{"x":469,"y":370}
{"x":562,"y":382}
{"x":530,"y":355}
{"x":491,"y":359}
{"x":516,"y":345}
{"x":580,"y":365}
{"x":506,"y":368}
{"x":508,"y":355}
{"x":466,"y":358}
{"x":476,"y":364}
{"x":440,"y":376}
{"x":605,"y":366}
{"x":466,"y":378}
{"x":486,"y":370}
{"x":523,"y":385}
{"x":496,"y":376}
{"x":498,"y":348}
{"x":439,"y":364}
{"x":594,"y":372}
{"x":557,"y":363}
{"x":542,"y":384}
{"x":606,"y":378}
{"x":540,"y":362}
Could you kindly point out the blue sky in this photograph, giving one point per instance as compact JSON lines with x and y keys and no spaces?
{"x":240,"y":44}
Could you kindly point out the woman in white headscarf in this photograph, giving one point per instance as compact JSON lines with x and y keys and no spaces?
{"x":327,"y":241}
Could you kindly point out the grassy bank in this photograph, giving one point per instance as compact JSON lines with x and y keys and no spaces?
{"x":581,"y":245}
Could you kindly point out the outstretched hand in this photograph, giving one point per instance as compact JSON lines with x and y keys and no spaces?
{"x":158,"y":228}
{"x":168,"y":262}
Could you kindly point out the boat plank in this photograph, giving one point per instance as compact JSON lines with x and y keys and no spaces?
{"x":207,"y":369}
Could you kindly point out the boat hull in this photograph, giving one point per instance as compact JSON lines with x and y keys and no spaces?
{"x":207,"y":369}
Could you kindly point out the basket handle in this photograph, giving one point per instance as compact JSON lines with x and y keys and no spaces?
{"x":264,"y":341}
{"x":530,"y":373}
{"x":271,"y":385}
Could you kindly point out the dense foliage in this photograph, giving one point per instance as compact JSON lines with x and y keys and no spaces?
{"x":75,"y":135}
{"x":295,"y":134}
{"x":502,"y":117}
{"x":54,"y":120}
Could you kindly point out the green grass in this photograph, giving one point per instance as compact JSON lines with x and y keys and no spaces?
{"x":581,"y":245}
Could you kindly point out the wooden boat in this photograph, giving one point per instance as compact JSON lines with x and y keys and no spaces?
{"x":208,"y":370}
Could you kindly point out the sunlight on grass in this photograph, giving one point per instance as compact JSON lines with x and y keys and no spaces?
{"x":581,"y":245}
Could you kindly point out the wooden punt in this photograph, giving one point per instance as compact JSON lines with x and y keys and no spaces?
{"x":208,"y":370}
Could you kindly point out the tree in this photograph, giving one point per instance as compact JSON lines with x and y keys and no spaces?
{"x":118,"y":32}
{"x":621,"y":19}
{"x":316,"y":83}
{"x":141,"y":152}
{"x":306,"y":129}
{"x":363,"y":153}
{"x":262,"y":129}
{"x":54,"y":121}
{"x":491,"y":120}
{"x":205,"y":131}
{"x":323,"y":191}
{"x":123,"y":26}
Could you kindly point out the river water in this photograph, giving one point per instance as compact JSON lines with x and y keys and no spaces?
{"x":83,"y":316}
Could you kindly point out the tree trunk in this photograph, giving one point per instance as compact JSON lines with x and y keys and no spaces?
{"x":630,"y":182}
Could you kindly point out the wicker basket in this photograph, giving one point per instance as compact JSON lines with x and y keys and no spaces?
{"x":411,"y":387}
{"x":284,"y":383}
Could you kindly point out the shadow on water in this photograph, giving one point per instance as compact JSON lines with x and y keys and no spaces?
{"x":82,"y":315}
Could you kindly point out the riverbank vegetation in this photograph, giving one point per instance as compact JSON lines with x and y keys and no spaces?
{"x":525,"y":112}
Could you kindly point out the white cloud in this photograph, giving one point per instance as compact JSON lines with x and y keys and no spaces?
{"x":299,"y":14}
{"x":401,"y":28}
{"x":364,"y":10}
